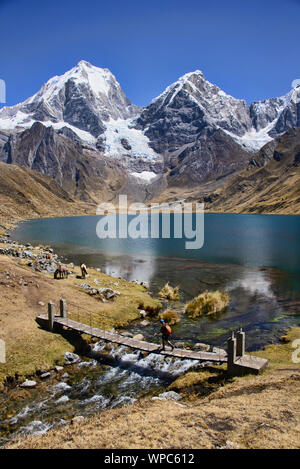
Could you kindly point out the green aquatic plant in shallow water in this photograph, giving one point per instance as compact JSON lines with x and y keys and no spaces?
{"x":208,"y":303}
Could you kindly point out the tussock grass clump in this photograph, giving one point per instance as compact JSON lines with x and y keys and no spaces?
{"x":151,"y":309}
{"x":193,"y":379}
{"x":209,"y":303}
{"x":169,"y":293}
{"x":170,"y":316}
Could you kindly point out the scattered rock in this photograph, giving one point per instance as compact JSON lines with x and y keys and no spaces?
{"x":71,"y":358}
{"x":86,"y":286}
{"x":108,"y":293}
{"x":219,"y":351}
{"x":125,"y":144}
{"x":28,"y":384}
{"x":179,"y":345}
{"x":202,"y":347}
{"x":62,"y":399}
{"x":104,"y":293}
{"x":41,"y":303}
{"x":143,"y":313}
{"x":228,"y":445}
{"x":58,"y":368}
{"x":126,"y":334}
{"x":45,"y":375}
{"x":145,"y":323}
{"x":41,"y":372}
{"x":168,"y":396}
{"x":77,"y":419}
{"x":65,"y":375}
{"x":139,"y":337}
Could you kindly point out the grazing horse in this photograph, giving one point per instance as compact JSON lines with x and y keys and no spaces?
{"x":83,"y":270}
{"x":61,"y":272}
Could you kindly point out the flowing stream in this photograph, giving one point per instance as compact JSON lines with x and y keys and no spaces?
{"x":114,"y":377}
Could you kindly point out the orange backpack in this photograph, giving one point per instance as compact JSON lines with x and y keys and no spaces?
{"x":168,"y":329}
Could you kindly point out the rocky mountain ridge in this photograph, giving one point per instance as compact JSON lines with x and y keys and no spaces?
{"x":81,"y":130}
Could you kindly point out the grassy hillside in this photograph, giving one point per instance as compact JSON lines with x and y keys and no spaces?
{"x":21,"y":290}
{"x":270,"y":184}
{"x":28,"y":194}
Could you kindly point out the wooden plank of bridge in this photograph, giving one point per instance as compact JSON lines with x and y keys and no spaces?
{"x":136,"y":344}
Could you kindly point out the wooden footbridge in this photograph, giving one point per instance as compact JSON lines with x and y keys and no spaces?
{"x":236,"y":359}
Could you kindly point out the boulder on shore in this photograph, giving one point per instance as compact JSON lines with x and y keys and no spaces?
{"x":139,"y":337}
{"x":71,"y":358}
{"x":219,"y":351}
{"x":202,"y":347}
{"x":168,"y":396}
{"x":77,"y":419}
{"x":28,"y":384}
{"x":145,"y":323}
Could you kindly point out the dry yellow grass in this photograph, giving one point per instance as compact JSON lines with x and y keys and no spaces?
{"x":29,"y":194}
{"x":193,"y":380}
{"x":170,"y":316}
{"x":280,"y":356}
{"x":169,"y":293}
{"x":243,"y":412}
{"x":209,"y":303}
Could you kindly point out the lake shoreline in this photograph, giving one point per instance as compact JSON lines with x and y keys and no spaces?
{"x":7,"y":227}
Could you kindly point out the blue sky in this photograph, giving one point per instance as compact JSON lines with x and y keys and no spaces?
{"x":248,"y":48}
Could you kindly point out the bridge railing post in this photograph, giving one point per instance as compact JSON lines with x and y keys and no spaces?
{"x":63,"y":308}
{"x":231,"y":352}
{"x":51,"y":315}
{"x":240,"y":343}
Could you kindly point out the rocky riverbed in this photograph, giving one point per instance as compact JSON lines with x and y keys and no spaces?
{"x":110,"y":376}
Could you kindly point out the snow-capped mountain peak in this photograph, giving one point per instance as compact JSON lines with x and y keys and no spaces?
{"x":98,"y":80}
{"x":84,"y":97}
{"x":89,"y":101}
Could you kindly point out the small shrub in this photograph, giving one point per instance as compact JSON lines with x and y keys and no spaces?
{"x":209,"y":303}
{"x":170,"y":316}
{"x":151,"y":310}
{"x":169,"y":293}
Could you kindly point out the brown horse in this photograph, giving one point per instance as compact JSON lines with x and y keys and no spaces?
{"x":61,"y":272}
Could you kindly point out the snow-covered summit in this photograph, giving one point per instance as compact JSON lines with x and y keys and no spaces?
{"x":98,"y":80}
{"x":89,"y":101}
{"x":84,"y":97}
